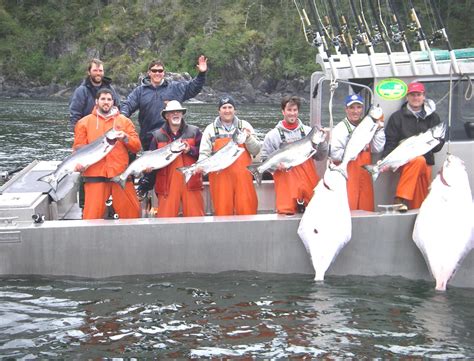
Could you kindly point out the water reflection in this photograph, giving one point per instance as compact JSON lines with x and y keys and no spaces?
{"x":232,"y":314}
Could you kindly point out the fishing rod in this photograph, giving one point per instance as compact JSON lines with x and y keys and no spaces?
{"x":372,"y":37}
{"x":403,"y":37}
{"x":305,"y":32}
{"x":316,"y":33}
{"x":342,"y":38}
{"x":384,"y":28}
{"x":328,"y":31}
{"x":421,"y":37}
{"x":346,"y":30}
{"x":442,"y":29}
{"x":364,"y":38}
{"x":320,"y":36}
{"x":384,"y":39}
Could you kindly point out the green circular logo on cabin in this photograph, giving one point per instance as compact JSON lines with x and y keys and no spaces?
{"x":391,"y":89}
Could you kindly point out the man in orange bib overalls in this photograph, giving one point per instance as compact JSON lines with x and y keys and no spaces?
{"x":416,"y":116}
{"x":172,"y":191}
{"x":97,"y":185}
{"x":294,"y":187}
{"x":232,"y":189}
{"x":360,"y":190}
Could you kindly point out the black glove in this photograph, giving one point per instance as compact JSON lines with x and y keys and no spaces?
{"x":145,"y":184}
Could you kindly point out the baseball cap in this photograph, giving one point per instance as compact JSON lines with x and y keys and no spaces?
{"x":354,"y":98}
{"x":415,"y":87}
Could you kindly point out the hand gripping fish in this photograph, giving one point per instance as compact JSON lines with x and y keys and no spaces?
{"x":409,"y":149}
{"x":444,"y":223}
{"x":221,"y":159}
{"x":325,"y":227}
{"x":155,"y":159}
{"x":85,"y":156}
{"x":290,"y":154}
{"x":361,"y":136}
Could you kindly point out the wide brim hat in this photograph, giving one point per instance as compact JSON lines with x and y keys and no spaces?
{"x":171,"y":106}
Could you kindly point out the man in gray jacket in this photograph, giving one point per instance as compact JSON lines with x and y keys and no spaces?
{"x":151,"y":96}
{"x":83,"y":99}
{"x":293,"y":187}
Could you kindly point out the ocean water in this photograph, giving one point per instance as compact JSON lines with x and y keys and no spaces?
{"x":233,"y":315}
{"x":39,"y":129}
{"x":227,"y":315}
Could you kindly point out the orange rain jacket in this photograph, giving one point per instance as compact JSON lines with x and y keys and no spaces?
{"x":87,"y":130}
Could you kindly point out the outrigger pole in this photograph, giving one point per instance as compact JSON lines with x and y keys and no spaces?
{"x":342,"y":38}
{"x":384,"y":39}
{"x":406,"y":44}
{"x":442,"y":29}
{"x":364,"y":38}
{"x":422,"y":38}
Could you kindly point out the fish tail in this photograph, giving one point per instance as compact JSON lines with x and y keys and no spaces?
{"x":440,"y":284}
{"x":319,"y":276}
{"x":253,"y":168}
{"x":187,"y":172}
{"x":119,"y":180}
{"x":51,"y":180}
{"x":373,"y":170}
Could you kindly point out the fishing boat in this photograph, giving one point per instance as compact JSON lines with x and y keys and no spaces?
{"x":41,"y":232}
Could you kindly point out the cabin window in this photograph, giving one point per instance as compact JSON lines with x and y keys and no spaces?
{"x":338,"y":108}
{"x":462,"y":109}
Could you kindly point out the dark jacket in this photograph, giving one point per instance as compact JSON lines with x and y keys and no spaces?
{"x":161,"y":177}
{"x":404,"y":124}
{"x":83,"y":99}
{"x":150,"y":101}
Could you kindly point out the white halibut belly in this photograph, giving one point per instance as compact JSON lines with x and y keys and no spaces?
{"x":326,"y":227}
{"x":444,"y":226}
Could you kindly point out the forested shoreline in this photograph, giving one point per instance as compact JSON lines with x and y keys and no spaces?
{"x":256,"y":48}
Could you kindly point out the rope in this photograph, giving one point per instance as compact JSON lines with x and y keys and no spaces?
{"x":334,"y":86}
{"x":469,"y":89}
{"x":448,"y":148}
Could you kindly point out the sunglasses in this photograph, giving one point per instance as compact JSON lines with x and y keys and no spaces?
{"x":157,"y":70}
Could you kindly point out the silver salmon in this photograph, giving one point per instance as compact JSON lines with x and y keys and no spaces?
{"x":221,"y":159}
{"x":360,"y":137}
{"x":409,"y":149}
{"x":155,"y":159}
{"x":290,"y":154}
{"x":85,"y":156}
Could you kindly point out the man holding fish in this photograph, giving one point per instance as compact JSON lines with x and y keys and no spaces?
{"x":232,"y":189}
{"x":416,"y":116}
{"x":169,"y":183}
{"x":344,"y":138}
{"x":294,"y":179}
{"x":97,"y":176}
